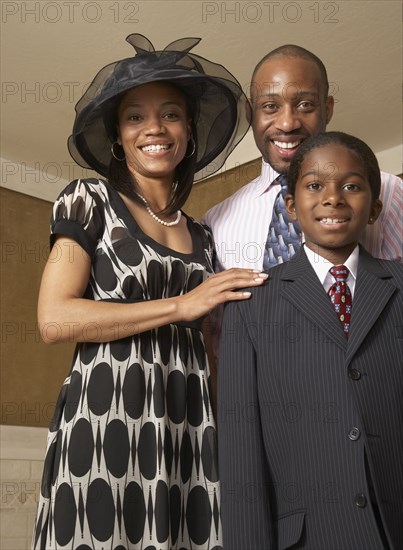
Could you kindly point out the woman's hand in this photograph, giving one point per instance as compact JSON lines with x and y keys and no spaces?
{"x":217,"y":289}
{"x":65,"y":316}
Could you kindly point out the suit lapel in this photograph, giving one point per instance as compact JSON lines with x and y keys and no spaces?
{"x":307,"y":294}
{"x":373,"y":291}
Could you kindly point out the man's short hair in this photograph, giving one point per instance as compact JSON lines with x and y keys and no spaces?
{"x":291,"y":50}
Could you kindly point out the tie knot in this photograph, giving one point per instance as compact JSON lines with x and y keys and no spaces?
{"x":282,"y":179}
{"x":339,"y":272}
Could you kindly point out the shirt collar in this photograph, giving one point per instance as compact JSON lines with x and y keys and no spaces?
{"x":322,"y":266}
{"x":352,"y":261}
{"x":266,"y":178}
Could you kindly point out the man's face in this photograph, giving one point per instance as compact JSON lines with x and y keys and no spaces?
{"x":288,"y":106}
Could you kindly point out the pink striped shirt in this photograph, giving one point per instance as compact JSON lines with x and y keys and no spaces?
{"x":240,"y":223}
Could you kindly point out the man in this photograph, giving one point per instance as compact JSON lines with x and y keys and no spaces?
{"x":289,"y":103}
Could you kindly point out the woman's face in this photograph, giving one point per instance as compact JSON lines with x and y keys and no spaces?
{"x":154,"y":129}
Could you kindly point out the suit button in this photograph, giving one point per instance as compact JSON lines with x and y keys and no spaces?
{"x":360,"y":500}
{"x":354,"y":374}
{"x":354,"y":434}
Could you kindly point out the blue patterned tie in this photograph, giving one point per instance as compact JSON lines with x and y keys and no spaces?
{"x":284,"y":236}
{"x":340,"y":296}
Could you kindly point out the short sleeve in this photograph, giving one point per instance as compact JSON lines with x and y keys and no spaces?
{"x":78,"y":213}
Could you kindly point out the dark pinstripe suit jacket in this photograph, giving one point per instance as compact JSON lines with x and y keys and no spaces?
{"x":310,"y":424}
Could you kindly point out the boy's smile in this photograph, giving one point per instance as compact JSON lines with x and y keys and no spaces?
{"x":333,"y":201}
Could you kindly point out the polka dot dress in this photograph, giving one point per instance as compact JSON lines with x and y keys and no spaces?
{"x":131,"y":461}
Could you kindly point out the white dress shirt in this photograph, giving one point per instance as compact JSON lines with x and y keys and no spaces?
{"x":240,"y":223}
{"x":321,"y":267}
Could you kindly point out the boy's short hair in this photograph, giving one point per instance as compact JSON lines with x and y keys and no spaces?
{"x":354,"y":144}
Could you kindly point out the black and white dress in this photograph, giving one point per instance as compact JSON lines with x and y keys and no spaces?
{"x":131,"y":461}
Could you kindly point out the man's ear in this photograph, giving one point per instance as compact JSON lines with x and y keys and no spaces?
{"x":248,"y":110}
{"x":329,"y":108}
{"x":376,"y":209}
{"x":290,"y":206}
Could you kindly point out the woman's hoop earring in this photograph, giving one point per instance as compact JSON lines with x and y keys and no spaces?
{"x":113,"y":152}
{"x":193,"y":150}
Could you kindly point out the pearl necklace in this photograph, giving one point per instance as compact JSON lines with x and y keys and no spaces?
{"x":154,"y":215}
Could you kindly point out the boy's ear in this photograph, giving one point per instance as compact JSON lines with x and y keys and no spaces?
{"x":376,"y":209}
{"x":290,"y":206}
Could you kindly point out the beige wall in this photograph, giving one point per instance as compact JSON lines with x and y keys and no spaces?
{"x":32,"y":372}
{"x":213,"y":190}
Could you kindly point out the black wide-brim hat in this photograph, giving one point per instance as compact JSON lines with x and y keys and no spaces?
{"x":218,"y":101}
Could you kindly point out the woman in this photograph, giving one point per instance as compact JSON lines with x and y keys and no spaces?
{"x":131,"y":459}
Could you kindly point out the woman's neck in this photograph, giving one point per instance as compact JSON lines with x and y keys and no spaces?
{"x":156,"y":191}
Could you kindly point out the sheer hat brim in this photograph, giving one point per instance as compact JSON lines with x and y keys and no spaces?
{"x":217,"y":98}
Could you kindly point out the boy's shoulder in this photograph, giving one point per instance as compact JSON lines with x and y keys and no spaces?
{"x":393,"y":267}
{"x":277,"y":280}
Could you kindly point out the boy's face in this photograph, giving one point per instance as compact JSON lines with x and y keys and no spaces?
{"x":333,"y":201}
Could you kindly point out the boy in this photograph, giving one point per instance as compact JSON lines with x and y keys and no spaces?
{"x":310,"y":385}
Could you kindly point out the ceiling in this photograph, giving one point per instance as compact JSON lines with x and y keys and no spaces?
{"x":51,"y":50}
